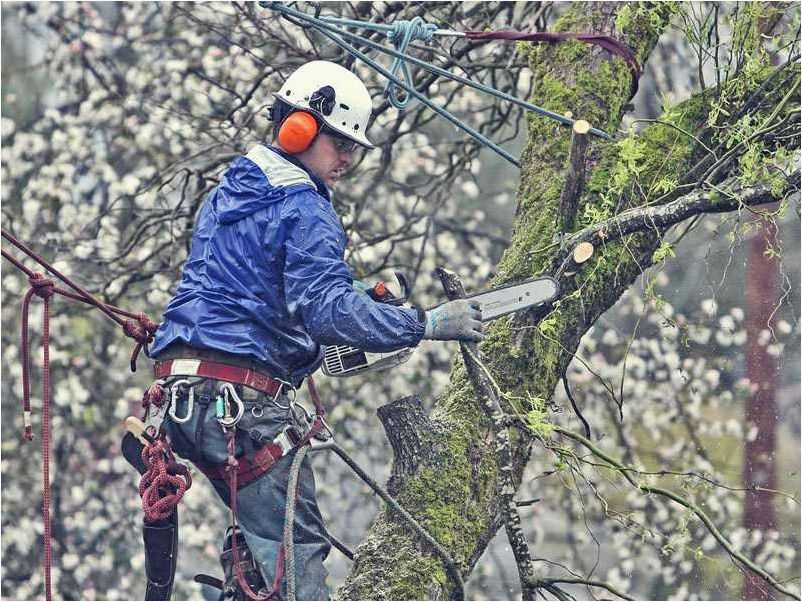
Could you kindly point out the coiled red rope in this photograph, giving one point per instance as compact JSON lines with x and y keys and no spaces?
{"x":164,"y":482}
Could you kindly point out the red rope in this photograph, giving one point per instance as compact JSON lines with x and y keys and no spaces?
{"x":138,"y":326}
{"x":44,"y":288}
{"x":231,"y":468}
{"x":164,"y":482}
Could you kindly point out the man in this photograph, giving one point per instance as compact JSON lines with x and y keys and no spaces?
{"x":264,"y":287}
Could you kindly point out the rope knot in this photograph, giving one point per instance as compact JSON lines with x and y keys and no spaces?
{"x":154,"y":394}
{"x":41,"y":285}
{"x":416,"y":29}
{"x":141,"y":328}
{"x":401,"y":35}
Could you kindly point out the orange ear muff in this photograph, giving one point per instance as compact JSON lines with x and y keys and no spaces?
{"x":297,"y":132}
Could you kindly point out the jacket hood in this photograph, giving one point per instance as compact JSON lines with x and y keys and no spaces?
{"x":264,"y":176}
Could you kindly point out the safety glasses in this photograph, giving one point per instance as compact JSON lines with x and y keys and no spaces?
{"x":341,"y":143}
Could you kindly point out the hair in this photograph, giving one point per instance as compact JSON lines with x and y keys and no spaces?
{"x":278,"y":113}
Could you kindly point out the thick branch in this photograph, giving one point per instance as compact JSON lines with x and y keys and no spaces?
{"x":487,"y":393}
{"x":409,"y":431}
{"x":727,"y":197}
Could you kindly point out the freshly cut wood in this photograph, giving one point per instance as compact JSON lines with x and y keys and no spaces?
{"x":583,"y":252}
{"x":581,"y":126}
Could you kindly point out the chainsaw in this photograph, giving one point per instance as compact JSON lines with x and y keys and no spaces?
{"x":342,"y":360}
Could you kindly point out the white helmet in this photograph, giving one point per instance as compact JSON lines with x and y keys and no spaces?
{"x":332,"y":93}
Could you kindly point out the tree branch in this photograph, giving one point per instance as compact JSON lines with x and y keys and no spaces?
{"x":700,"y":514}
{"x":488,"y":394}
{"x":662,"y":217}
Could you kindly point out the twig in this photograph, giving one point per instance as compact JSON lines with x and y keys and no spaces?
{"x":706,"y":521}
{"x":592,"y":583}
{"x":576,"y":408}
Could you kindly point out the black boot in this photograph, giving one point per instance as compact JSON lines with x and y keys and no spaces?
{"x":247,"y":563}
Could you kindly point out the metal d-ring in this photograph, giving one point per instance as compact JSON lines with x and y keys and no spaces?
{"x":227,"y":421}
{"x":174,"y":389}
{"x":257,"y":411}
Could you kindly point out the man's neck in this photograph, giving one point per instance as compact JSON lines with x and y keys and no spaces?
{"x":321,"y":187}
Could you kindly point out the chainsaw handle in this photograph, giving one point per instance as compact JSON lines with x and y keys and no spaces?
{"x":381,"y":294}
{"x":402,"y":282}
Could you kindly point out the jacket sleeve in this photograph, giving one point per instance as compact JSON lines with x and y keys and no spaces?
{"x":318,"y":285}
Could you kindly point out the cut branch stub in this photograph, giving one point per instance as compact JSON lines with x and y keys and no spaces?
{"x":581,"y":126}
{"x":582,"y":252}
{"x":574,"y":175}
{"x":411,"y":435}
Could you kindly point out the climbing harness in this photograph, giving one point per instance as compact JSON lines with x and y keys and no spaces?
{"x":135,"y":325}
{"x":403,"y":32}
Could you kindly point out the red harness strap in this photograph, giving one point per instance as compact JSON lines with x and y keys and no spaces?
{"x":247,"y":470}
{"x":226,"y":372}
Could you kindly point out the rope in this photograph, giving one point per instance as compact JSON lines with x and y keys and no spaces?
{"x":289,"y":520}
{"x":332,"y":33}
{"x":41,"y":287}
{"x":326,"y":25}
{"x":164,"y":482}
{"x":448,"y":563}
{"x":137,"y":325}
{"x":472,"y":84}
{"x":402,"y":33}
{"x":231,"y":468}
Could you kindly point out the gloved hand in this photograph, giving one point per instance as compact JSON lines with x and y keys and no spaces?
{"x":459,"y":320}
{"x":360,"y":286}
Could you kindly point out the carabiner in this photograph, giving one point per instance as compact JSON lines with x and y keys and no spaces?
{"x":174,"y":389}
{"x":228,"y":421}
{"x":285,"y":387}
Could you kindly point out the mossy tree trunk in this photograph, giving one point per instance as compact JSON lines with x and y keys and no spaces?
{"x":449,"y":484}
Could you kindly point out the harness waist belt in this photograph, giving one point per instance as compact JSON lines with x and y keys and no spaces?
{"x":232,"y":374}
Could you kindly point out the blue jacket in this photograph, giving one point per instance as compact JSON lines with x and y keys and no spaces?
{"x":266,"y":279}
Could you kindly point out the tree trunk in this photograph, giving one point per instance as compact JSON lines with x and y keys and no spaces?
{"x":452,"y":489}
{"x":762,"y":370}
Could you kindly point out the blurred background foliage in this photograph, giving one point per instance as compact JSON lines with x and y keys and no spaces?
{"x":118,"y":118}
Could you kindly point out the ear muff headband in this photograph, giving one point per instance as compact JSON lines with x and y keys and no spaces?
{"x":297,"y":132}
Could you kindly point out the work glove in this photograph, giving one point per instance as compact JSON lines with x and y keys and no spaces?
{"x":459,"y":320}
{"x":360,"y":286}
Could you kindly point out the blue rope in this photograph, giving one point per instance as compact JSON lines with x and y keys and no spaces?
{"x":453,"y":76}
{"x":332,"y":33}
{"x":402,"y":33}
{"x":409,"y":30}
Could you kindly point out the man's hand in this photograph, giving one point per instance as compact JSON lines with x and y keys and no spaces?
{"x":459,"y":320}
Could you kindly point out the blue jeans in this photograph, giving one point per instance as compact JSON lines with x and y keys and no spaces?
{"x":261,"y":503}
